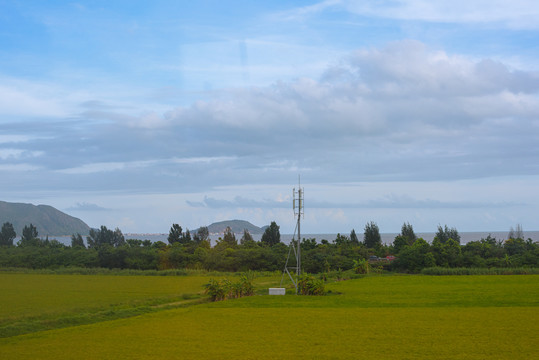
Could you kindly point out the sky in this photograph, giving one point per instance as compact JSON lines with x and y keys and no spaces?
{"x":141,"y":114}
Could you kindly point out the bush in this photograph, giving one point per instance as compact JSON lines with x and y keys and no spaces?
{"x":361,"y":266}
{"x":308,"y":285}
{"x":247,"y":287}
{"x":224,"y":289}
{"x":216,"y":290}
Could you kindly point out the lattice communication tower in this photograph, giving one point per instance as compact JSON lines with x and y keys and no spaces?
{"x":295,"y":244}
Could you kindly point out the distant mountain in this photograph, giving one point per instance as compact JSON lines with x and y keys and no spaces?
{"x":237,"y":227}
{"x":47,"y":220}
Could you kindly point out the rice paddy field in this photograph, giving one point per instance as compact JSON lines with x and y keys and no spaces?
{"x":376,"y":317}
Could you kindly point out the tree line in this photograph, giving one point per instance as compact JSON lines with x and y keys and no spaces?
{"x":110,"y":249}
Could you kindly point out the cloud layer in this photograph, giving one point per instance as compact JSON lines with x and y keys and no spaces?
{"x":401,"y":112}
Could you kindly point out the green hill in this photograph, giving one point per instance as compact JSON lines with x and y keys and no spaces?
{"x":47,"y":220}
{"x":237,"y":227}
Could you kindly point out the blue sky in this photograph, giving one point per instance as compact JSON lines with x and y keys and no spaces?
{"x":142,"y":114}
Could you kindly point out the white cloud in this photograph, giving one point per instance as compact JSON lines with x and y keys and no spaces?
{"x":300,"y":13}
{"x":31,"y":98}
{"x":14,"y":138}
{"x":387,"y":201}
{"x":403,"y":111}
{"x":15,"y":154}
{"x":14,"y":102}
{"x":195,"y":160}
{"x":149,"y":120}
{"x":519,"y":14}
{"x":103,"y":167}
{"x":402,"y":90}
{"x":19,"y":167}
{"x":85,"y":206}
{"x":95,"y":168}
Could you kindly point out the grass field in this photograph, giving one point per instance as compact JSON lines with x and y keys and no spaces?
{"x":384,"y":317}
{"x":31,"y":302}
{"x":25,"y":294}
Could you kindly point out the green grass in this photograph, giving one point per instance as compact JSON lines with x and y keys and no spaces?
{"x":31,"y":295}
{"x":35,"y":302}
{"x":385,"y":317}
{"x":480,"y":271}
{"x":413,"y":291}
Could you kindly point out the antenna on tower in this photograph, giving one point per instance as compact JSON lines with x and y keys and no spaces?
{"x":295,"y":245}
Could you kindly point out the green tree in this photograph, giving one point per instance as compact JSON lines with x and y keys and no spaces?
{"x":94,"y":238}
{"x":445,"y":233}
{"x":29,"y":232}
{"x":29,"y":236}
{"x":416,"y":257}
{"x":371,"y":236}
{"x":353,"y":237}
{"x":103,"y":236}
{"x":134,"y":243}
{"x":203,"y":234}
{"x":186,"y":237}
{"x":446,"y":254}
{"x":271,"y":235}
{"x":514,"y":246}
{"x":229,"y":238}
{"x":308,"y":244}
{"x":516,"y":233}
{"x":7,"y":234}
{"x":341,"y":240}
{"x":77,"y":241}
{"x":406,"y":238}
{"x":175,"y":234}
{"x":118,"y":238}
{"x":407,"y":231}
{"x":399,"y":243}
{"x":247,"y":239}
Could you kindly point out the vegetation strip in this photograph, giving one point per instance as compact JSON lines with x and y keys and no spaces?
{"x":105,"y":248}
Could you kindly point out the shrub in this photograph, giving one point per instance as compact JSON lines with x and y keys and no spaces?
{"x":308,"y":285}
{"x":216,"y":290}
{"x":246,"y":283}
{"x":361,"y":266}
{"x":224,"y":289}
